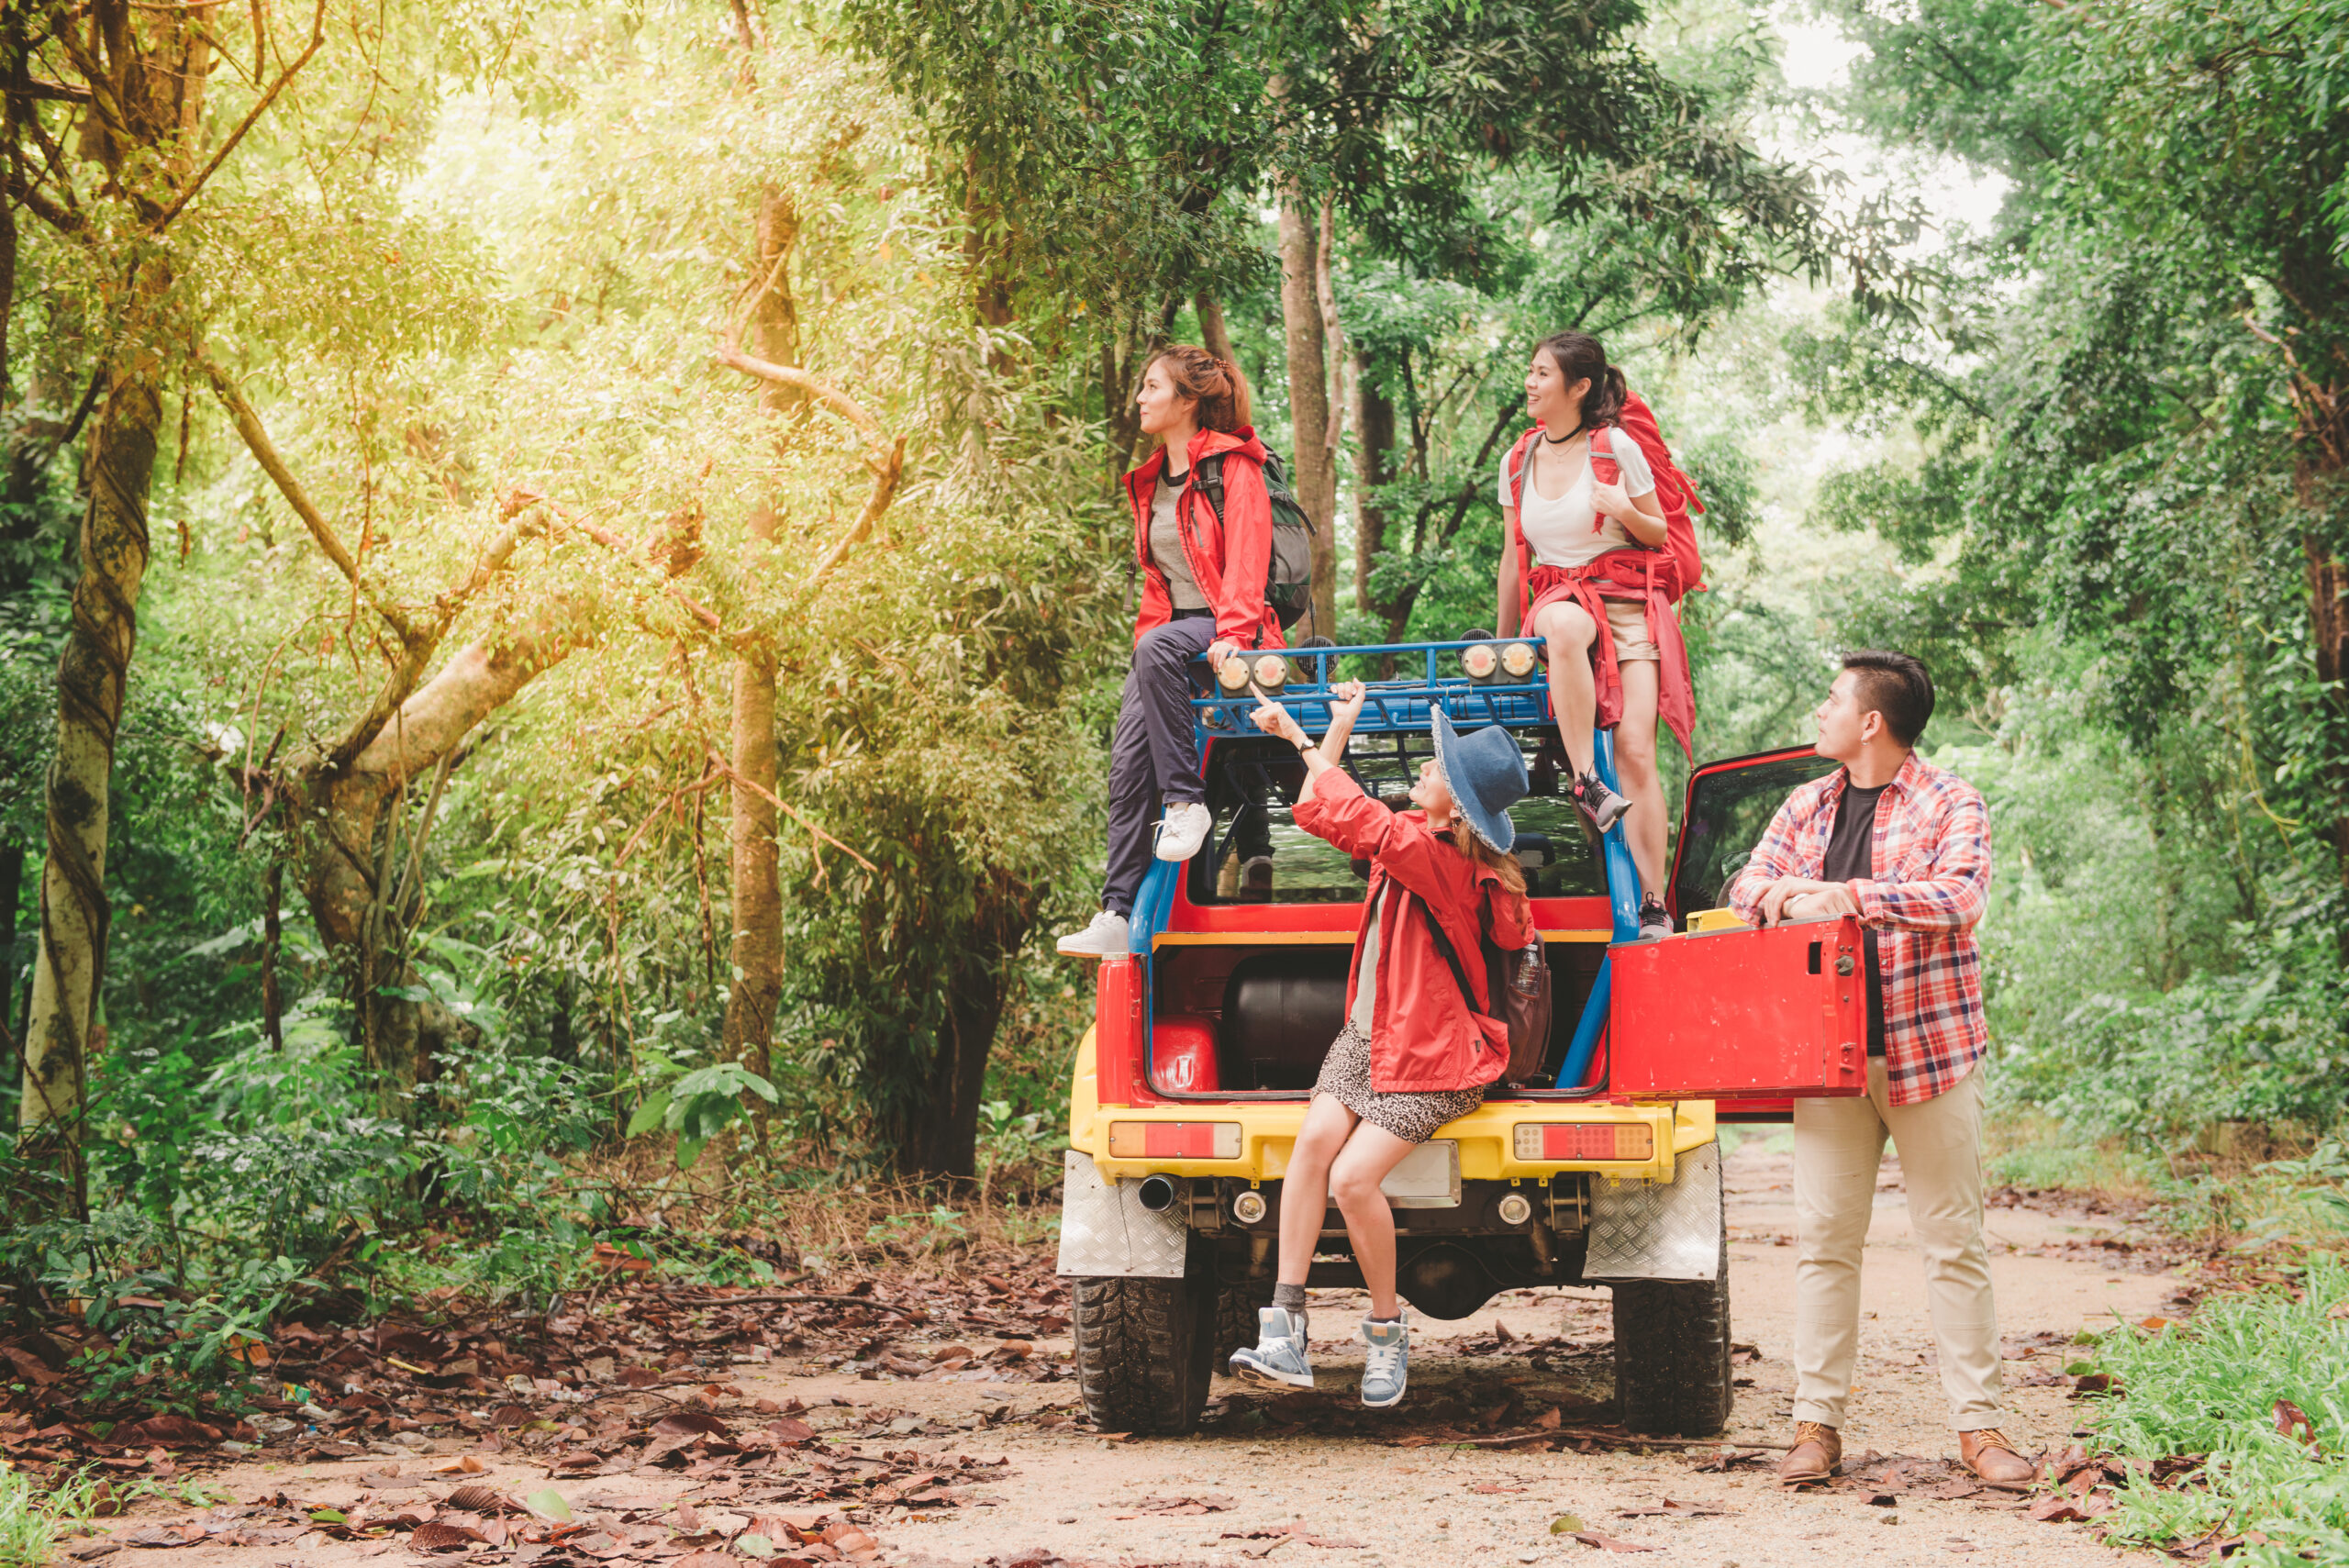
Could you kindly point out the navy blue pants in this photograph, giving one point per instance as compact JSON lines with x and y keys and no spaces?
{"x":1154,"y":755}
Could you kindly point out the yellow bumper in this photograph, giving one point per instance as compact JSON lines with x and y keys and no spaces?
{"x":1486,"y":1136}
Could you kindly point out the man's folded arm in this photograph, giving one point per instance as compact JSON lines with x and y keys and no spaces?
{"x":1950,"y":899}
{"x":1771,"y":859}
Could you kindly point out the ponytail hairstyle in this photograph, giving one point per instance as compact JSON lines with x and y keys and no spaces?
{"x":1578,"y":355}
{"x":1217,"y":385}
{"x":1506,"y":866}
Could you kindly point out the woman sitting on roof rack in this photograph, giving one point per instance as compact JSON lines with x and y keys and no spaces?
{"x":1203,"y":592}
{"x":1419,"y":1046}
{"x":1595,"y":550}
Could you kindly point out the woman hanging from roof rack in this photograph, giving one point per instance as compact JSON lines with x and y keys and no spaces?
{"x":1419,"y":1045}
{"x":1595,"y":550}
{"x":1204,"y":572}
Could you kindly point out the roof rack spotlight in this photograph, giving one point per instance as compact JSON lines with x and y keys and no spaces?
{"x":1232,"y":675}
{"x":1498,"y":663}
{"x":1271,"y":672}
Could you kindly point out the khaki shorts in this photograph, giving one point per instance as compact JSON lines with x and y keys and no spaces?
{"x":1627,"y":620}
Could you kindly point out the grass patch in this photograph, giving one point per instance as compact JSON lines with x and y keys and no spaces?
{"x":2211,"y":1387}
{"x":2027,"y":1149}
{"x":35,"y":1516}
{"x":2073,"y":1167}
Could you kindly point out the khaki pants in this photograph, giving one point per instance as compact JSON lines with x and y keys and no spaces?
{"x":1838,"y":1145}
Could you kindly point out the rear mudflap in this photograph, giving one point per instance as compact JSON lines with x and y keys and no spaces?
{"x":1106,"y":1233}
{"x":1663,"y":1231}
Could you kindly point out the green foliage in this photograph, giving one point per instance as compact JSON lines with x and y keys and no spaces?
{"x":699,"y":1106}
{"x":37,"y":1515}
{"x":2211,"y":1386}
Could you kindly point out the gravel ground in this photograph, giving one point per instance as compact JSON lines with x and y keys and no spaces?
{"x":1356,"y":1503}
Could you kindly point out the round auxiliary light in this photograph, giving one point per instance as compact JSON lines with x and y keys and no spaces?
{"x":1248,"y":1207}
{"x":1518,"y":660}
{"x":1478,"y":661}
{"x":1232,"y":675}
{"x":1272,"y":671}
{"x":1515,"y":1209}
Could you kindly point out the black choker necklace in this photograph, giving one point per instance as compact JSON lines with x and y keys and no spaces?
{"x":1561,"y":440}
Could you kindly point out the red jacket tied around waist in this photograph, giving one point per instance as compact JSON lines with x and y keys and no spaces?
{"x":1228,"y":555}
{"x":1422,"y":1035}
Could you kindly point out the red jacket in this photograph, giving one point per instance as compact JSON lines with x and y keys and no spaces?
{"x":1422,"y":1036}
{"x":1228,"y":555}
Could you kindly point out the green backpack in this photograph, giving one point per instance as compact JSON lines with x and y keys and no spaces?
{"x":1288,"y":576}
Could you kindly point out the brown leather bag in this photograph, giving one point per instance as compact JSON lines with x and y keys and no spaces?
{"x":1520,"y":984}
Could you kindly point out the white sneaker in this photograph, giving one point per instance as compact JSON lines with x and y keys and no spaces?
{"x":1107,"y":936}
{"x":1184,"y":830}
{"x":1278,"y":1357}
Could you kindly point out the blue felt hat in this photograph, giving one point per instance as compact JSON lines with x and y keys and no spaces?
{"x":1485,"y":774}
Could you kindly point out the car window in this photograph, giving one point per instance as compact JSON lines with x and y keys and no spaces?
{"x":1257,"y":854}
{"x":1728,"y":813}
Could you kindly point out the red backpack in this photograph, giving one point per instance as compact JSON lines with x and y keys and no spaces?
{"x":1673,"y":492}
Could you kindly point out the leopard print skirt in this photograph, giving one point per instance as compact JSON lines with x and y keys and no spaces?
{"x":1412,"y":1116}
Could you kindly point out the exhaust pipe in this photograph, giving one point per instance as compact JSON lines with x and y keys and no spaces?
{"x":1157,"y":1194}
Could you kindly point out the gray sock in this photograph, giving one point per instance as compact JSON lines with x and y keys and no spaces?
{"x":1289,"y":1297}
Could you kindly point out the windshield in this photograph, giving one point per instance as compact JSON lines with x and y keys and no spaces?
{"x":1729,"y":810}
{"x":1257,"y":854}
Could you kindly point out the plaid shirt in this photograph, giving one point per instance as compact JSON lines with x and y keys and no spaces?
{"x":1933,"y":879}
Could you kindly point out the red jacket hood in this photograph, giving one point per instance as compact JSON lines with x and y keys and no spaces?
{"x":1207,"y":443}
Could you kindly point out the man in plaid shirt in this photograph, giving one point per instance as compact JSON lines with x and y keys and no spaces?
{"x":1904,"y":846}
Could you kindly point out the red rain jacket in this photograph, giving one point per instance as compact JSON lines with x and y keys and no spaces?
{"x":1422,"y":1036}
{"x":1228,"y":555}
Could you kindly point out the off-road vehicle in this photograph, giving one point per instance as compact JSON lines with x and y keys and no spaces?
{"x":1603,"y":1168}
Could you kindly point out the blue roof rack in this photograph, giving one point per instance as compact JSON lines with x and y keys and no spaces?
{"x":1401,"y":704}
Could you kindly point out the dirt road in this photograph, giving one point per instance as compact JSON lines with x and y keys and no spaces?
{"x":1311,"y":1480}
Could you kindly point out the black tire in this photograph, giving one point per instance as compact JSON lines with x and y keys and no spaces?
{"x":1235,"y":1316}
{"x":1672,"y":1371}
{"x":1145,"y":1350}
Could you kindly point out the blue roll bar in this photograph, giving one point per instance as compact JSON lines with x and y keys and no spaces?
{"x":1405,"y":704}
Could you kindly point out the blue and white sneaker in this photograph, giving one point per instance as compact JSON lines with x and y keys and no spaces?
{"x":1388,"y":1363}
{"x":1278,"y":1355}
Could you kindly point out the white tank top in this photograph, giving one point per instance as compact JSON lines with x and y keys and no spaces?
{"x":1560,"y":532}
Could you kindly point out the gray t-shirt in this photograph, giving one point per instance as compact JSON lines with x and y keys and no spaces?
{"x":1167,"y":546}
{"x":1366,"y":985}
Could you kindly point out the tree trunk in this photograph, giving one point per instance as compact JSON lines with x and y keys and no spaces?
{"x":1333,"y":335}
{"x":272,"y":999}
{"x":347,"y":848}
{"x":750,"y":836}
{"x":1215,"y":336}
{"x":941,"y":1139}
{"x":12,"y":889}
{"x":985,"y":246}
{"x":1373,"y":415}
{"x":2329,"y":622}
{"x":1315,"y":476}
{"x":91,"y":676}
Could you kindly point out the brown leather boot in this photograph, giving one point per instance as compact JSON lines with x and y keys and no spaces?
{"x":1989,"y":1454}
{"x":1818,"y":1450}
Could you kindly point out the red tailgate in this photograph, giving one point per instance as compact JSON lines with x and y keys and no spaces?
{"x":1742,"y":1013}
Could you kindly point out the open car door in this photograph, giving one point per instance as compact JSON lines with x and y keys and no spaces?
{"x":1749,"y":1018}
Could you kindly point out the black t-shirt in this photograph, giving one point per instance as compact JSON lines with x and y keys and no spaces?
{"x":1851,"y":855}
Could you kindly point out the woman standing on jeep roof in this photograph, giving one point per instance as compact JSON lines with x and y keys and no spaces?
{"x":1419,"y":1044}
{"x":1586,"y":563}
{"x":1203,"y":592}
